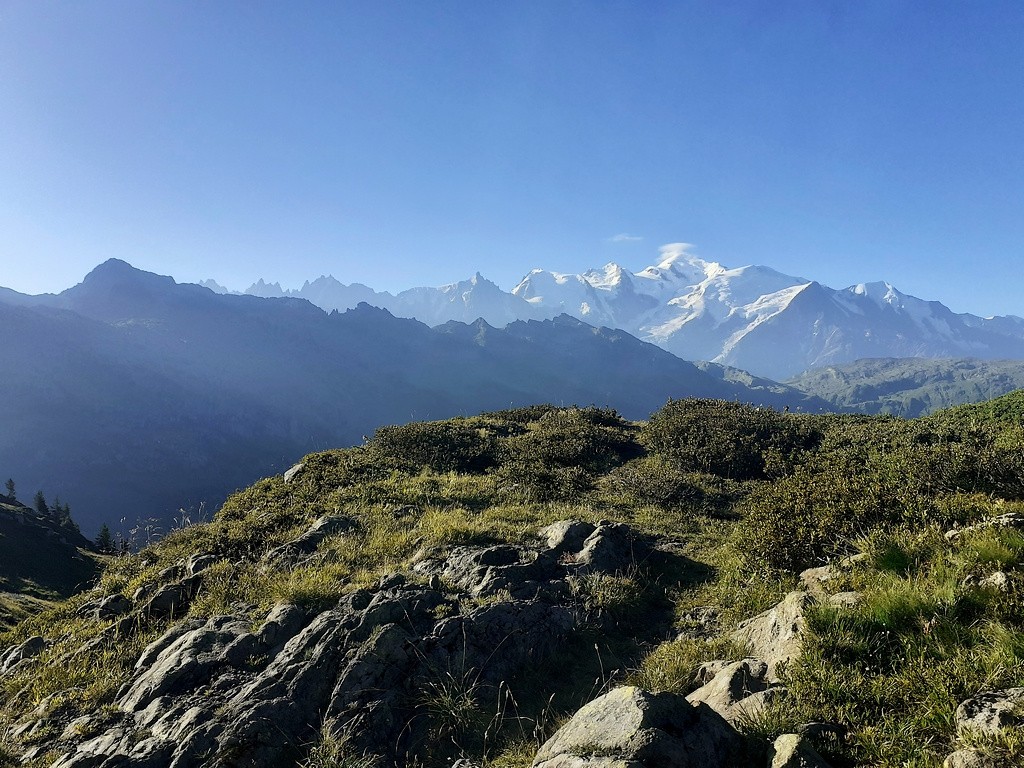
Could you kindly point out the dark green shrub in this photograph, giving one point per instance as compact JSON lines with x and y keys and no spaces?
{"x":590,"y":439}
{"x":443,"y":446}
{"x":811,"y":516}
{"x":533,"y":481}
{"x":732,"y":440}
{"x":977,"y":459}
{"x":654,"y":480}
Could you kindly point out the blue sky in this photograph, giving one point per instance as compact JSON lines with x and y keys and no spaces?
{"x":410,"y":143}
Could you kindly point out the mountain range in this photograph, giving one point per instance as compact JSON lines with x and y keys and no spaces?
{"x":753,"y":318}
{"x":135,"y":397}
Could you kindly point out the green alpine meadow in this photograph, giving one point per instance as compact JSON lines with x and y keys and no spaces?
{"x":720,"y":585}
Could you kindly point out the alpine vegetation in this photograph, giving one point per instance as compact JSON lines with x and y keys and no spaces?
{"x":721,"y":585}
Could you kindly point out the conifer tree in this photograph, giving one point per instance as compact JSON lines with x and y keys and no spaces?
{"x":63,"y":514}
{"x":10,"y":488}
{"x":40,"y":504}
{"x":105,"y":540}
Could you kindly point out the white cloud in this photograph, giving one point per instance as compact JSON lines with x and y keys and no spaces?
{"x":625,"y":237}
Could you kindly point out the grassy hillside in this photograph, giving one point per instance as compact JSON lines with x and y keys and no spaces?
{"x":737,"y":502}
{"x":911,"y":387}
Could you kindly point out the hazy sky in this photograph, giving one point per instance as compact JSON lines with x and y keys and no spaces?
{"x":410,"y":143}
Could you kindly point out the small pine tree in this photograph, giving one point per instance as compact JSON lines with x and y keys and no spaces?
{"x":105,"y":540}
{"x":40,"y":504}
{"x":64,"y":517}
{"x":10,"y":488}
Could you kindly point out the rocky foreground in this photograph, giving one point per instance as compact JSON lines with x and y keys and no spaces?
{"x":226,"y":691}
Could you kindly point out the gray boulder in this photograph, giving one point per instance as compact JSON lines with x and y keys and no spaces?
{"x":301,"y":547}
{"x":292,"y":471}
{"x":969,"y":758}
{"x":792,"y":750}
{"x":990,"y":711}
{"x":634,"y":728}
{"x":776,"y":636}
{"x":17,"y":654}
{"x":486,"y":571}
{"x":566,"y":536}
{"x":199,"y":563}
{"x":739,"y":691}
{"x":998,"y":582}
{"x":189,"y":659}
{"x":173,"y":599}
{"x":612,"y":548}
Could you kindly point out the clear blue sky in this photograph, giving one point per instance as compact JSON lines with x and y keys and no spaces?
{"x":409,"y":143}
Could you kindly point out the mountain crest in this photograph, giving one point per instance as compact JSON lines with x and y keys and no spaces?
{"x":703,"y":310}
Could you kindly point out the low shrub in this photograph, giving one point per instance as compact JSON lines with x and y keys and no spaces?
{"x":443,"y":446}
{"x":654,"y":480}
{"x":733,"y":440}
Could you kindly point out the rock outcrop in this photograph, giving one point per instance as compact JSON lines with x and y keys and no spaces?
{"x":791,"y":750}
{"x":635,"y":728}
{"x":238,"y":690}
{"x":741,"y":690}
{"x":776,"y":636}
{"x":990,"y":711}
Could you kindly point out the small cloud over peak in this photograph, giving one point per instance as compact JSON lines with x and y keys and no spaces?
{"x":625,"y":237}
{"x":677,"y":250}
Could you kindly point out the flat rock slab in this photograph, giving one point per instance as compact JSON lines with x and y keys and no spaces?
{"x":969,"y":758}
{"x":792,"y":750}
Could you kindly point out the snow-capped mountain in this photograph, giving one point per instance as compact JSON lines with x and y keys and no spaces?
{"x":464,"y":301}
{"x":752,"y":317}
{"x":763,"y":321}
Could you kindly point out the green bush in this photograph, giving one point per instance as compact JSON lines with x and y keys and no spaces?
{"x":733,"y":440}
{"x":813,"y":515}
{"x":443,"y":446}
{"x":532,"y":481}
{"x":655,"y":480}
{"x":591,"y":439}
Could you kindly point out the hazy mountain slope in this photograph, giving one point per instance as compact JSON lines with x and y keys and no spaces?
{"x":911,"y":386}
{"x":125,"y":435}
{"x":145,"y":396}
